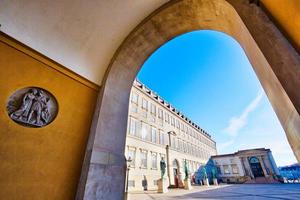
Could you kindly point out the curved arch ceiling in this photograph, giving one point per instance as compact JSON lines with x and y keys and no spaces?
{"x":83,"y":35}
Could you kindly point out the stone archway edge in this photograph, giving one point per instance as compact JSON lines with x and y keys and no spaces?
{"x":275,"y":62}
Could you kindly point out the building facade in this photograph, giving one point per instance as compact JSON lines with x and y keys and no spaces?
{"x":157,"y":130}
{"x":247,"y":166}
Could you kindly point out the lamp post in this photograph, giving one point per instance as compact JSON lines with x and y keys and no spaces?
{"x":168,"y":156}
{"x":128,"y":161}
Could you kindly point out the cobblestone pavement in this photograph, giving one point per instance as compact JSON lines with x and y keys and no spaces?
{"x":234,"y":192}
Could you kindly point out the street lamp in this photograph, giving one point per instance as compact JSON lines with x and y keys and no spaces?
{"x":128,"y":161}
{"x":167,"y":154}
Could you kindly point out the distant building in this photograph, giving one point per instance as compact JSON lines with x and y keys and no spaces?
{"x":250,"y":166}
{"x":290,"y":173}
{"x":157,"y":130}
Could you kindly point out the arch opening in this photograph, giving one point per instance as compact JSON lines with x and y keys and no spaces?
{"x":176,"y":18}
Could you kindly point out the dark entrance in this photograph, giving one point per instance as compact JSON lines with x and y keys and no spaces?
{"x":256,"y":167}
{"x":175,"y":173}
{"x":175,"y":177}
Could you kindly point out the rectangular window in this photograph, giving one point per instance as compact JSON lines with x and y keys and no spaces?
{"x":235,"y":169}
{"x":166,"y":139}
{"x":134,"y":98}
{"x":182,"y":126}
{"x":180,"y":145}
{"x":134,"y":108}
{"x":167,"y":117}
{"x":177,"y":124}
{"x":153,"y":109}
{"x":144,"y":104}
{"x":144,"y":159}
{"x":133,"y":127}
{"x":226,"y":169}
{"x":154,"y":161}
{"x":184,"y":147}
{"x":155,"y":182}
{"x":145,"y":131}
{"x":172,"y":121}
{"x":161,"y":138}
{"x":153,"y":134}
{"x":173,"y":142}
{"x":185,"y":129}
{"x":131,"y":156}
{"x":152,"y":118}
{"x":131,"y":183}
{"x":160,"y":113}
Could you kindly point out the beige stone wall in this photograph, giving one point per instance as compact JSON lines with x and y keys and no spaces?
{"x":188,"y":141}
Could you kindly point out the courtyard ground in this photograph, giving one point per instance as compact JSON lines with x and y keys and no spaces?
{"x":238,"y":191}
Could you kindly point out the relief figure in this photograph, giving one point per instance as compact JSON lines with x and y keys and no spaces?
{"x":23,"y":111}
{"x":34,"y":109}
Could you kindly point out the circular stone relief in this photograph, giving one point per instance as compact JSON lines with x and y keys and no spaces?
{"x":32,"y":106}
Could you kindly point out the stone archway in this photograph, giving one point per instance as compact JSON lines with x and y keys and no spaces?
{"x":176,"y":174}
{"x":275,"y":62}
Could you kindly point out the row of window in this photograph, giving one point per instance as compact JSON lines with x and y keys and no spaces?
{"x":150,"y":133}
{"x":228,"y":169}
{"x":168,"y":118}
{"x":143,"y":183}
{"x":154,"y":159}
{"x":189,"y":148}
{"x":147,"y":133}
{"x":191,"y":165}
{"x":143,"y":162}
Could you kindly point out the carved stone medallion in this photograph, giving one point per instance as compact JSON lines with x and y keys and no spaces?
{"x":32,"y":106}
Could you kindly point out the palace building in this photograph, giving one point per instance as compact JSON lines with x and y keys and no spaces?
{"x":67,"y":69}
{"x":158,"y":130}
{"x":247,"y":166}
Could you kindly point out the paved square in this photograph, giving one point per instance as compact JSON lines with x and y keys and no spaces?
{"x":242,"y":191}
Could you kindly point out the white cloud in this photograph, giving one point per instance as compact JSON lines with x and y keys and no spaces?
{"x":237,"y":123}
{"x":226,"y":144}
{"x":262,"y":130}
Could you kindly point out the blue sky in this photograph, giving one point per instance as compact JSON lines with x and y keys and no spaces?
{"x":207,"y":76}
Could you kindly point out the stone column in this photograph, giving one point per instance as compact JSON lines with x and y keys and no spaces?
{"x":273,"y":164}
{"x":243,"y":166}
{"x":260,"y":158}
{"x":249,"y":167}
{"x":168,"y":163}
{"x":268,"y":165}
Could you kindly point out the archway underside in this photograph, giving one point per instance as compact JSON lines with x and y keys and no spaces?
{"x":275,"y":62}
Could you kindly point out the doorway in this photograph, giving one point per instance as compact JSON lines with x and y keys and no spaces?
{"x":176,"y":173}
{"x":256,"y":167}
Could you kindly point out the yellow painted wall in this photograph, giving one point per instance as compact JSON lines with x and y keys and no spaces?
{"x":287,"y":15}
{"x":42,"y":163}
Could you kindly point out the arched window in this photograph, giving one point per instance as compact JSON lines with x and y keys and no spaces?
{"x":254,"y":160}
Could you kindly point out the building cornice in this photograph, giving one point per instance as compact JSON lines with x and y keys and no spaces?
{"x":242,"y":152}
{"x":154,"y":96}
